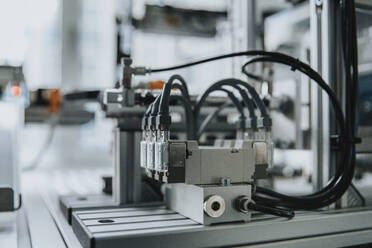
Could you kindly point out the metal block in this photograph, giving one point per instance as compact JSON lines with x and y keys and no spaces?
{"x":208,"y":204}
{"x":127,"y":186}
{"x":191,"y":164}
{"x":207,"y":165}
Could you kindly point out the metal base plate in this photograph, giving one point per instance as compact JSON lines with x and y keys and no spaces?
{"x":160,"y":227}
{"x":71,"y":203}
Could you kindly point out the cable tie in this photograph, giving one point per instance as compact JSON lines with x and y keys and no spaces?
{"x":336,"y":141}
{"x":293,"y":68}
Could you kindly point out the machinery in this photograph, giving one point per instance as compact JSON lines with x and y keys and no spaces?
{"x":212,"y":189}
{"x":12,"y":101}
{"x":196,"y":169}
{"x":209,"y":184}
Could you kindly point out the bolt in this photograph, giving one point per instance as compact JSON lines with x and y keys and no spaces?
{"x":225,"y":181}
{"x":126,"y":61}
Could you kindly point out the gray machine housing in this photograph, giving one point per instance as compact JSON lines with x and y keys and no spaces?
{"x":205,"y":183}
{"x":191,"y":201}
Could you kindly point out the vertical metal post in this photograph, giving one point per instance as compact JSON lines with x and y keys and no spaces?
{"x":316,"y":94}
{"x":127,"y":180}
{"x":251,"y":26}
{"x":298,"y":115}
{"x":70,"y":64}
{"x":243,"y":18}
{"x":324,"y":57}
{"x":252,"y":35}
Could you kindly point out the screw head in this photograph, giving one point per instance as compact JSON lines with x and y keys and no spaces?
{"x":225,"y":181}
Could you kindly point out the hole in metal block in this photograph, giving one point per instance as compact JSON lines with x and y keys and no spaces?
{"x":215,"y":206}
{"x":106,"y":221}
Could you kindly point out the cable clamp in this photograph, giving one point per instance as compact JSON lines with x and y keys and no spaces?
{"x":294,"y":65}
{"x":336,"y":141}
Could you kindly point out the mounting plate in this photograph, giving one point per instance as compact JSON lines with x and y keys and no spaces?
{"x":160,"y":227}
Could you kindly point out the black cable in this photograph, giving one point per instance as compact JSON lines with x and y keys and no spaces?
{"x":270,"y":210}
{"x":154,"y":112}
{"x":210,"y":117}
{"x":183,"y":83}
{"x":161,"y":105}
{"x":351,"y":74}
{"x":231,"y":82}
{"x":188,"y":113}
{"x":164,"y":101}
{"x":231,"y":97}
{"x":251,"y":75}
{"x":235,"y":100}
{"x":230,"y":55}
{"x":246,"y":99}
{"x":184,"y":92}
{"x":189,"y":123}
{"x":146,"y":116}
{"x":338,"y":185}
{"x":163,"y":109}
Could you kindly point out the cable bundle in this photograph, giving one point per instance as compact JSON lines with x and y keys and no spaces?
{"x":347,"y":128}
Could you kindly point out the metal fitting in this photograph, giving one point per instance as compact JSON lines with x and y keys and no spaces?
{"x":225,"y":181}
{"x":214,"y":206}
{"x":242,"y":203}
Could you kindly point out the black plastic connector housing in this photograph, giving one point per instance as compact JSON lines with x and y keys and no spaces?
{"x":163,"y":122}
{"x":264,"y":122}
{"x":251,"y":123}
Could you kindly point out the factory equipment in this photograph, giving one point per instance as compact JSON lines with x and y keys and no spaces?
{"x":10,"y":193}
{"x":173,"y":186}
{"x":12,"y":101}
{"x":127,"y":105}
{"x":216,"y":184}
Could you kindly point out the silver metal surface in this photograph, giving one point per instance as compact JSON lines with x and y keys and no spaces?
{"x":317,"y":124}
{"x":127,"y":178}
{"x":10,"y":128}
{"x":316,"y":229}
{"x":43,"y":230}
{"x":196,"y":202}
{"x":261,"y":153}
{"x":8,"y":229}
{"x":23,"y":236}
{"x":193,"y":164}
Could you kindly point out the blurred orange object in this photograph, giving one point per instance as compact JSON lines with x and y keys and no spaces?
{"x":54,"y":101}
{"x":16,"y":90}
{"x":156,"y":85}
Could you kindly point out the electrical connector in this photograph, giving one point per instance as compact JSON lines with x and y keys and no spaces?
{"x":163,"y":122}
{"x":264,"y":122}
{"x":161,"y":152}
